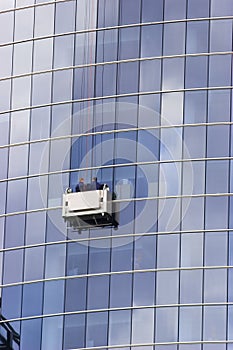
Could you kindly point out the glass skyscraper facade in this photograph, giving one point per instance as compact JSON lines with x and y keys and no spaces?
{"x":139,"y":94}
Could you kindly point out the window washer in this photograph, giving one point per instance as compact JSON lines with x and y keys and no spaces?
{"x":80,"y":187}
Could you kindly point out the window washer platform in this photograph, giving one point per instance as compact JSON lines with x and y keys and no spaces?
{"x":89,"y":209}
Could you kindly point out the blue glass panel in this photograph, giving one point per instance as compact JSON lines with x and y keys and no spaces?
{"x":14,"y":231}
{"x":142,"y":326}
{"x":30,"y":334}
{"x":152,"y":11}
{"x":16,"y":195}
{"x":38,"y":161}
{"x":173,"y":74}
{"x":170,"y":176}
{"x":169,"y":218}
{"x":4,"y":162}
{"x":21,"y":91}
{"x":56,"y":229}
{"x":195,"y":106}
{"x":44,"y":19}
{"x":216,"y":212}
{"x":5,"y":90}
{"x":197,"y":36}
{"x":166,"y":324}
{"x":19,"y":126}
{"x":190,"y":322}
{"x":65,"y":14}
{"x":41,"y":89}
{"x":220,"y":134}
{"x":63,"y":51}
{"x":214,"y":323}
{"x":6,"y":26}
{"x":175,"y":9}
{"x":217,"y":176}
{"x":75,"y":294}
{"x":7,"y":4}
{"x":22,"y":62}
{"x":121,"y":256}
{"x":168,"y":250}
{"x":215,"y":285}
{"x":129,"y":11}
{"x":96,"y":333}
{"x":221,"y":35}
{"x":195,"y":142}
{"x":98,"y":292}
{"x":35,"y":228}
{"x":4,"y":129}
{"x":219,"y":106}
{"x":150,"y":75}
{"x":146,"y":216}
{"x":108,"y":13}
{"x":24,"y":30}
{"x":55,"y":260}
{"x":219,"y":70}
{"x":34,"y":263}
{"x":172,"y":110}
{"x":147,"y":180}
{"x":99,"y":259}
{"x":74,"y":331}
{"x":121,"y":290}
{"x":198,"y":8}
{"x":62,"y":85}
{"x":52,"y":325}
{"x":196,"y":72}
{"x":191,"y":283}
{"x":105,"y":80}
{"x":32,"y":299}
{"x":106,"y":45}
{"x":53,"y":304}
{"x":13,"y":266}
{"x":40,"y":123}
{"x":128,"y":77}
{"x":18,"y":161}
{"x":215,"y":248}
{"x":36,"y":193}
{"x":167,"y":287}
{"x":128,"y":43}
{"x":223,"y":8}
{"x":144,"y":289}
{"x":119,"y":327}
{"x":151,"y":40}
{"x":42,"y":54}
{"x":11,"y":302}
{"x":192,"y":249}
{"x":174,"y":38}
{"x":192,"y":213}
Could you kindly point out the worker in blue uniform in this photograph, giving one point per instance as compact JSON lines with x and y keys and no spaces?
{"x":80,"y":186}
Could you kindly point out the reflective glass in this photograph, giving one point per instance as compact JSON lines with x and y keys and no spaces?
{"x":18,"y":161}
{"x":24,"y":29}
{"x":19,"y":126}
{"x":14,"y":231}
{"x":62,"y":85}
{"x":52,"y":325}
{"x":214,"y":323}
{"x":40,"y":123}
{"x":99,"y":258}
{"x":219,"y":68}
{"x":121,"y":290}
{"x":221,"y":35}
{"x":75,"y":287}
{"x":167,"y":287}
{"x":150,"y":75}
{"x":54,"y":260}
{"x":35,"y":228}
{"x":53,"y":304}
{"x":215,"y":248}
{"x":96,"y":333}
{"x":86,"y":14}
{"x":142,"y":326}
{"x":42,"y":54}
{"x":216,"y":212}
{"x":166,"y":324}
{"x":145,"y":252}
{"x":144,"y":289}
{"x":32,"y":299}
{"x":5,"y":60}
{"x":119,"y":327}
{"x":41,"y":87}
{"x":6,"y":27}
{"x":217,"y":176}
{"x":98,"y":292}
{"x":21,"y":91}
{"x":172,"y":108}
{"x":151,"y":41}
{"x":108,"y":13}
{"x":190,"y":323}
{"x":168,"y":250}
{"x":129,"y":11}
{"x":195,"y":106}
{"x":64,"y":19}
{"x":219,"y":105}
{"x":191,"y":249}
{"x":121,"y":256}
{"x":128,"y":77}
{"x":22,"y":62}
{"x":13,"y":266}
{"x":215,"y":285}
{"x":4,"y":129}
{"x":128,"y":43}
{"x":63,"y":51}
{"x":196,"y":72}
{"x":30,"y":334}
{"x":152,"y":11}
{"x":7,"y":4}
{"x":224,"y":8}
{"x":11,"y":302}
{"x":220,"y":148}
{"x":191,"y":284}
{"x":34,"y":263}
{"x":174,"y":38}
{"x":16,"y":194}
{"x":198,"y":8}
{"x":5,"y":90}
{"x":44,"y":20}
{"x":175,"y":9}
{"x":4,"y":152}
{"x":197,"y":36}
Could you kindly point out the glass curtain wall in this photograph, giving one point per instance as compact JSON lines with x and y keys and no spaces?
{"x":139,"y":94}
